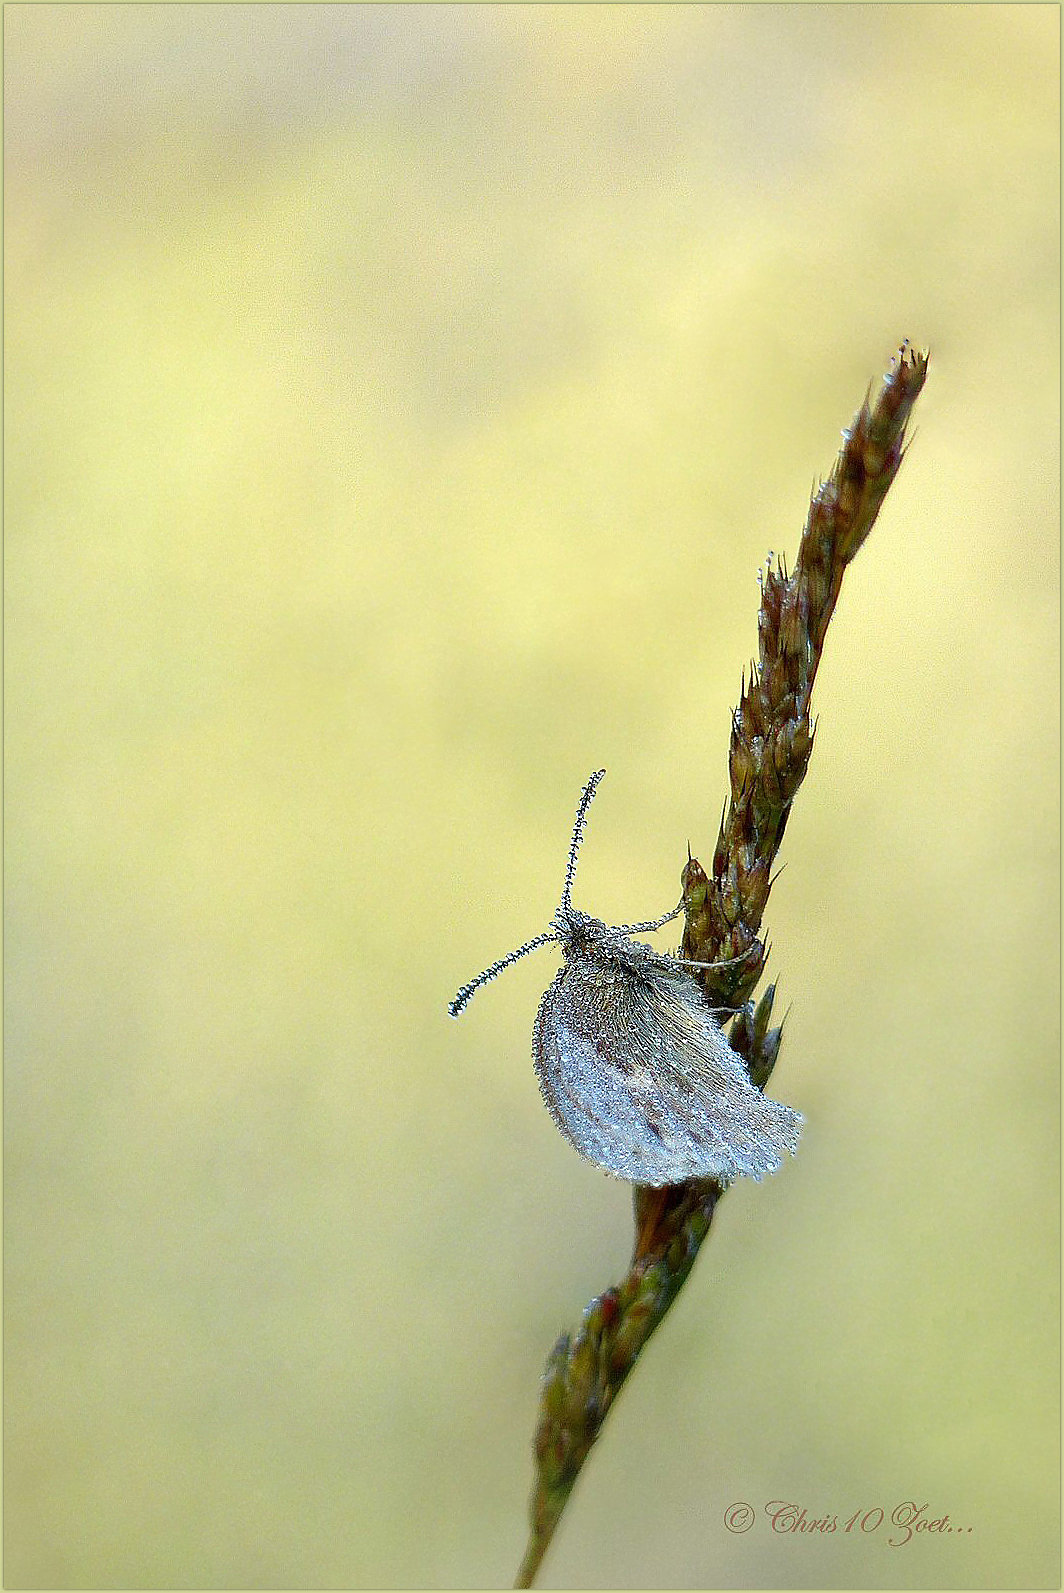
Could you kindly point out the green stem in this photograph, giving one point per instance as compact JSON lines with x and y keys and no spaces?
{"x":771,"y":743}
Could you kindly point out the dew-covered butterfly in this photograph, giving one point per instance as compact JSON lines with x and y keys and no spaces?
{"x":632,"y":1064}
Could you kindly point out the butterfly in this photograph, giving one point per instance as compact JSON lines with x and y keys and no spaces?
{"x":633,"y":1066}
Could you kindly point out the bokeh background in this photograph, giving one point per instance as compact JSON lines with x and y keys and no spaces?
{"x":400,"y":403}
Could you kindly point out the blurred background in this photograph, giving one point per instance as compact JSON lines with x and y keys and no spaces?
{"x":400,"y":403}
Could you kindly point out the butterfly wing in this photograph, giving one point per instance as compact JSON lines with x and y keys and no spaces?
{"x":639,"y":1077}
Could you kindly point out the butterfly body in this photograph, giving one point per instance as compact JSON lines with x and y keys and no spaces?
{"x":637,"y":1073}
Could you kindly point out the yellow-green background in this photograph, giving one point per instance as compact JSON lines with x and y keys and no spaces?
{"x":400,"y":402}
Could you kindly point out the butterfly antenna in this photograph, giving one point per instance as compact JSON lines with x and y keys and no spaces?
{"x":465,"y":994}
{"x":578,"y":834}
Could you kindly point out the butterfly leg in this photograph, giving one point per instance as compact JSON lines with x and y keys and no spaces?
{"x":657,"y":923}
